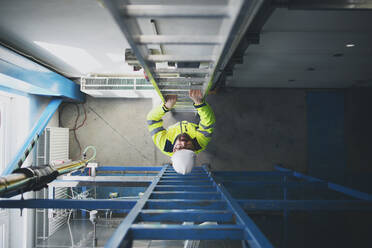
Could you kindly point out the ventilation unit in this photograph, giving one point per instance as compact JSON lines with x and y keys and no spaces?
{"x":53,"y":145}
{"x":131,"y":87}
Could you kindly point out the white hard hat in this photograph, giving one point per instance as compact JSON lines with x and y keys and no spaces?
{"x":183,"y":161}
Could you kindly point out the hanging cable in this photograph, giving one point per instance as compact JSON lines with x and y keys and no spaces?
{"x":94,"y":153}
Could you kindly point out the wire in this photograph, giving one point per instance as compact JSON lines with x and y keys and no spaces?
{"x":74,"y":130}
{"x":69,"y":228}
{"x":94,"y":153}
{"x":85,"y":118}
{"x":76,"y":126}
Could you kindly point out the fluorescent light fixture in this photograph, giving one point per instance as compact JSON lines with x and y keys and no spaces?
{"x":76,"y":57}
{"x":350,"y":45}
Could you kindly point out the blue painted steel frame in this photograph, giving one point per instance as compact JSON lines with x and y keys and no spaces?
{"x":332,"y":186}
{"x":118,"y":239}
{"x":33,"y":137}
{"x":247,"y":205}
{"x":21,"y":74}
{"x":186,"y":203}
{"x":254,"y":236}
{"x":129,"y":168}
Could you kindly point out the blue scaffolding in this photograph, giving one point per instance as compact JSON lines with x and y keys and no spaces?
{"x":206,"y":196}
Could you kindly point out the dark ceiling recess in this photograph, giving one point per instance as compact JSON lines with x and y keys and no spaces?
{"x":324,"y":4}
{"x":251,"y":36}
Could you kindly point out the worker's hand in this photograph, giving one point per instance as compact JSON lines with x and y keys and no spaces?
{"x":196,"y":96}
{"x":170,"y":100}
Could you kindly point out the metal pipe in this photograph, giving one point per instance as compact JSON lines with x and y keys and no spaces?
{"x":35,"y":178}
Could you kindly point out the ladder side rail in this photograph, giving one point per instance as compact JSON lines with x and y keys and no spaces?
{"x":118,"y":239}
{"x":253,"y":234}
{"x":331,"y":186}
{"x":140,"y":51}
{"x":245,"y":17}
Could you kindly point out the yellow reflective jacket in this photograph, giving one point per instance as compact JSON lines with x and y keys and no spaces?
{"x":164,"y":139}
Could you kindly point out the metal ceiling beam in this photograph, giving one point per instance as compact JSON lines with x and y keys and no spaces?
{"x":178,"y":58}
{"x":176,"y":11}
{"x":21,"y":74}
{"x":178,"y":39}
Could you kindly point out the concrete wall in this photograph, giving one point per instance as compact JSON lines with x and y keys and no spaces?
{"x":256,"y":128}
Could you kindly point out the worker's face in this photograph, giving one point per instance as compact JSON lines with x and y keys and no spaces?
{"x":183,"y":142}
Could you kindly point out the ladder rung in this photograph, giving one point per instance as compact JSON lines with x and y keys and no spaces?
{"x":185,"y":177}
{"x":183,"y":109}
{"x":186,"y":204}
{"x":185,"y":188}
{"x":173,"y":11}
{"x":180,"y":179}
{"x":179,"y":58}
{"x":195,"y":169}
{"x":194,"y":182}
{"x":183,"y":71}
{"x":184,"y":232}
{"x":185,"y":195}
{"x":185,"y":215}
{"x":178,"y":39}
{"x":181,"y":93}
{"x":180,"y":87}
{"x":194,"y":80}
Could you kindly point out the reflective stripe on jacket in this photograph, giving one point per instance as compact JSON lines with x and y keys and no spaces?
{"x":164,"y":139}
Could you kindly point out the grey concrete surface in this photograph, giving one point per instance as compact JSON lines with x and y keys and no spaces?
{"x":358,"y":131}
{"x":256,"y":128}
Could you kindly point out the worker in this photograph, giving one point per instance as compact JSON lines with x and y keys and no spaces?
{"x":183,"y":140}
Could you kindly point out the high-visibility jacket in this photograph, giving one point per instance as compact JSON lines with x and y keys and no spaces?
{"x":200,"y":134}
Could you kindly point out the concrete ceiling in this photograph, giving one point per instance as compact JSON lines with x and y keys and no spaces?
{"x":308,"y":49}
{"x":298,"y":49}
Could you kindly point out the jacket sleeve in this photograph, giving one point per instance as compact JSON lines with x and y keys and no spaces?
{"x":206,"y":124}
{"x":155,"y":126}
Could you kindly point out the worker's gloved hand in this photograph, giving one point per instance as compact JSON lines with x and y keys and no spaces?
{"x":170,"y":101}
{"x":196,"y":96}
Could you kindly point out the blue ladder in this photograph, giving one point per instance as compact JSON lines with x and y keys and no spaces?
{"x":195,"y":197}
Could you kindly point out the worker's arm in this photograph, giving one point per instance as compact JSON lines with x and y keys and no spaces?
{"x":155,"y":122}
{"x":207,"y":118}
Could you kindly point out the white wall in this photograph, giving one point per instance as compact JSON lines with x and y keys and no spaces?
{"x":25,"y":114}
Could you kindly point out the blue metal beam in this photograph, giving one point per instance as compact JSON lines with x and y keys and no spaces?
{"x":129,"y":168}
{"x":31,"y":140}
{"x":226,"y":174}
{"x":185,"y":188}
{"x":21,"y":74}
{"x":120,"y":237}
{"x":305,"y":205}
{"x":185,"y":195}
{"x":252,"y":232}
{"x":186,"y":204}
{"x":184,"y":232}
{"x":297,"y":185}
{"x":185,"y":182}
{"x":122,"y":204}
{"x":332,"y":186}
{"x":246,"y":204}
{"x":192,"y":215}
